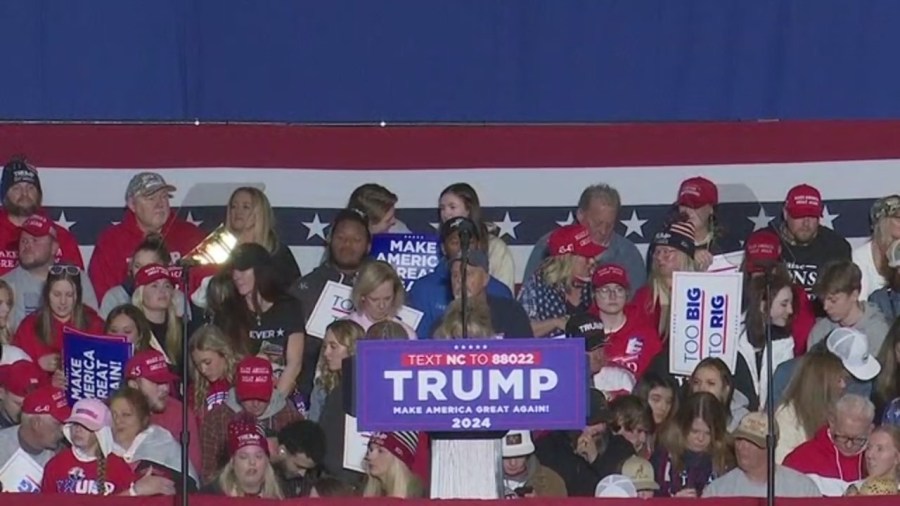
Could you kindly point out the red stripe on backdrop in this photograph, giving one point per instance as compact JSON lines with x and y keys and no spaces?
{"x":211,"y":500}
{"x":364,"y":147}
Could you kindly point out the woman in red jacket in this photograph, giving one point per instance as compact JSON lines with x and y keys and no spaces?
{"x":40,"y":333}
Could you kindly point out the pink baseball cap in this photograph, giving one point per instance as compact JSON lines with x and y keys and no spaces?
{"x":91,"y":413}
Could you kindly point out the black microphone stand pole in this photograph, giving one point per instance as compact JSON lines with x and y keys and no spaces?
{"x":185,"y":372}
{"x":464,"y":240}
{"x":770,"y":396}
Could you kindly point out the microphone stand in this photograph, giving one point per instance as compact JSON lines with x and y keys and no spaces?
{"x":464,"y":240}
{"x":185,"y":371}
{"x":770,"y":397}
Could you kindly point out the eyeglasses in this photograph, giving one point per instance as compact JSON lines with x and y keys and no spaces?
{"x":854,"y":442}
{"x":68,"y":270}
{"x":611,"y":291}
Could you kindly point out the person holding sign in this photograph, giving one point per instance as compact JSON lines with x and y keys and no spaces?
{"x":154,"y":296}
{"x":26,"y":448}
{"x":673,"y":250}
{"x":277,"y":327}
{"x":40,"y":333}
{"x":561,"y":286}
{"x":129,"y":322}
{"x":378,"y":295}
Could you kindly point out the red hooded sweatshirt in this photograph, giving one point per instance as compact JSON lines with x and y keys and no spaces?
{"x":818,"y":457}
{"x":109,"y":262}
{"x":68,"y":252}
{"x":27,"y":338}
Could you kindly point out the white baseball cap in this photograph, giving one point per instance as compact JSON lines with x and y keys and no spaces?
{"x":612,"y":380}
{"x":517,"y":443}
{"x":852,"y":347}
{"x":616,"y":485}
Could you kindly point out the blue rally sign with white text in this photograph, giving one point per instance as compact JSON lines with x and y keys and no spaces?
{"x":94,"y":365}
{"x":471,"y":385}
{"x":412,"y":255}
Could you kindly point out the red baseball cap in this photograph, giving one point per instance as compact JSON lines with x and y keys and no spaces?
{"x":39,"y":226}
{"x":22,"y":377}
{"x":150,"y":273}
{"x":610,"y":273}
{"x":253,"y":380}
{"x":47,"y":400}
{"x":150,"y":365}
{"x":804,"y":201}
{"x":697,"y":192}
{"x":763,"y":247}
{"x":243,"y":431}
{"x":573,"y":239}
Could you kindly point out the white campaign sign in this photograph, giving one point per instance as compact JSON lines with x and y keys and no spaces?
{"x":356,"y":444}
{"x":705,"y":320}
{"x":335,"y":303}
{"x":21,"y":474}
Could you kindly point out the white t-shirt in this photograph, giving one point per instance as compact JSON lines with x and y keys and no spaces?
{"x":871,"y":279}
{"x":27,"y":470}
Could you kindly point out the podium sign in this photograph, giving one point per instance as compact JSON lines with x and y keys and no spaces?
{"x":471,"y":385}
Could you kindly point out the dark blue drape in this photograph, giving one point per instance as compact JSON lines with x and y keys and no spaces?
{"x":449,"y":60}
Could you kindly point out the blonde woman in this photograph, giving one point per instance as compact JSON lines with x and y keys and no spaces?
{"x":251,"y":219}
{"x":871,"y":256}
{"x":673,"y":250}
{"x":561,"y":286}
{"x":388,"y":463}
{"x":249,"y":472}
{"x":817,"y":383}
{"x":478,"y":322}
{"x":339,"y":343}
{"x":7,"y":299}
{"x":378,"y":294}
{"x":215,"y":362}
{"x":154,"y":296}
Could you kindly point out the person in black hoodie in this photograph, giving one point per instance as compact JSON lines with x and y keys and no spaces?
{"x":349,"y":243}
{"x":584,"y":458}
{"x":298,"y":459}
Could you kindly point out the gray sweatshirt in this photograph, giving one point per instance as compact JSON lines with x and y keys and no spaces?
{"x":873,"y":324}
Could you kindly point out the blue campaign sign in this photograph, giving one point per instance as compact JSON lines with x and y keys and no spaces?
{"x":412,"y":255}
{"x":471,"y":385}
{"x":94,"y":365}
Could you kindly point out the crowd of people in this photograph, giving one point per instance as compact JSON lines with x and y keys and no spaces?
{"x":269,"y":410}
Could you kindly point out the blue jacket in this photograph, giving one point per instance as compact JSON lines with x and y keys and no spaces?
{"x":432,"y":294}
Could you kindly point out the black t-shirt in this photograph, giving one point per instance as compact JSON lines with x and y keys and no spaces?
{"x":508,"y":318}
{"x":805,"y":262}
{"x":269,"y":333}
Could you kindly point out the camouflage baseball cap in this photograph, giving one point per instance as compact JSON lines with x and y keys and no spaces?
{"x":147,"y":183}
{"x":884,"y":207}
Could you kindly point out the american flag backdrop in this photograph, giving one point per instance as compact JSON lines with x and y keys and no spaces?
{"x":528,"y":177}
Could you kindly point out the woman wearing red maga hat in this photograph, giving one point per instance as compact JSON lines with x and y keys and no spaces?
{"x":561,"y":285}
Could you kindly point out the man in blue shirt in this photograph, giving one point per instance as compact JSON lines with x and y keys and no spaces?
{"x":432,"y":294}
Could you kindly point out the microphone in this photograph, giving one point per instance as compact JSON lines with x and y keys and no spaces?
{"x":466,"y":229}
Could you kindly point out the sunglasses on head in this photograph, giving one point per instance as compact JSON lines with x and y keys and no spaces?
{"x":68,"y":270}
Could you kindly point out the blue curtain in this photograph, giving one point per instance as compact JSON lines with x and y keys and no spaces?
{"x":449,"y":60}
